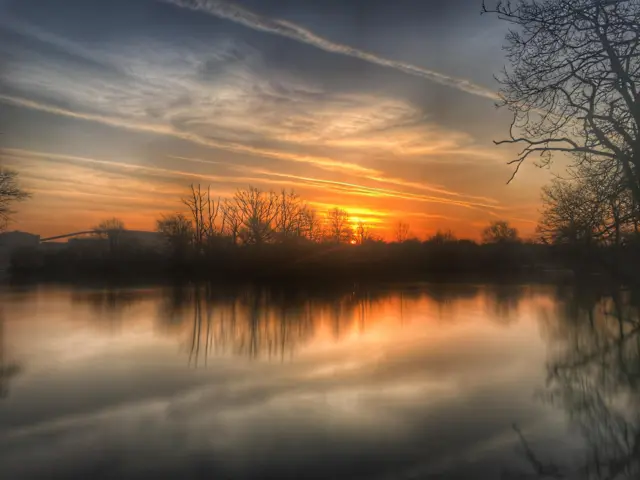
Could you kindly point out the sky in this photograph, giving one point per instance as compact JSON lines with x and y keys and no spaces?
{"x":384,"y":108}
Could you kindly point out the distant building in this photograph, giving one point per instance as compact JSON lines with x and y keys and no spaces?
{"x":140,"y":239}
{"x":121,"y":240}
{"x":16,"y":239}
{"x":53,"y":247}
{"x":88,"y":244}
{"x":11,"y":242}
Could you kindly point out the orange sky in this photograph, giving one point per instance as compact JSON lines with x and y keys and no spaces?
{"x":105,"y":125}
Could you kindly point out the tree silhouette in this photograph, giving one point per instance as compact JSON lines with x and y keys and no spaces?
{"x":499,"y":232}
{"x":339,"y":228}
{"x":569,"y":215}
{"x":204,"y":213}
{"x":290,"y":218}
{"x":401,"y":233}
{"x":573,"y":84}
{"x":311,"y":224}
{"x":231,"y":220}
{"x":363,"y":233}
{"x":257,"y":212}
{"x":178,"y":230}
{"x":592,"y":206}
{"x":110,"y":224}
{"x":440,"y":238}
{"x":110,"y":229}
{"x":10,"y":193}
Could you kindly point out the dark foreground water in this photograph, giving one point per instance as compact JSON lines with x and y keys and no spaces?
{"x":420,"y":381}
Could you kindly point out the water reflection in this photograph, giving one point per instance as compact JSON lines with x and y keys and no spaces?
{"x":274,"y":323}
{"x":504,"y":299}
{"x":410,"y":381}
{"x":263,"y":323}
{"x":8,"y":369}
{"x":594,"y":376}
{"x":110,"y":306}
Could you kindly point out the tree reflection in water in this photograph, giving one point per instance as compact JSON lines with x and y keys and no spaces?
{"x":594,"y":375}
{"x":8,"y":369}
{"x":260,"y":322}
{"x":593,"y":339}
{"x":272,"y":322}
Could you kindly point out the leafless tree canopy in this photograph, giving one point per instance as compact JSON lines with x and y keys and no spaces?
{"x":10,"y":192}
{"x":110,"y":225}
{"x":250,"y":217}
{"x":441,"y":237}
{"x":177,"y":229}
{"x":499,"y":232}
{"x":572,"y":85}
{"x":363,"y":233}
{"x":204,"y":212}
{"x":258,"y":212}
{"x":339,"y":228}
{"x":402,"y":231}
{"x":589,"y":208}
{"x":289,"y":219}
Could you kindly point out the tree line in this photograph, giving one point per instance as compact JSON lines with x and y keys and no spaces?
{"x":572,"y":85}
{"x":253,"y":217}
{"x":589,"y":208}
{"x":256,"y":217}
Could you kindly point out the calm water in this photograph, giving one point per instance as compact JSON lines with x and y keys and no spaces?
{"x":420,"y":381}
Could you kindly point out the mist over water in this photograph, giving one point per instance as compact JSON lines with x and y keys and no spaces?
{"x":394,"y":381}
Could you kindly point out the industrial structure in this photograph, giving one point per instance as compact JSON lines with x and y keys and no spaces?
{"x":88,"y":241}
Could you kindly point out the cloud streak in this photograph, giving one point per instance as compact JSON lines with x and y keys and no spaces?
{"x":159,"y":129}
{"x":352,"y":188}
{"x":397,"y":182}
{"x":243,"y":16}
{"x":258,"y":176}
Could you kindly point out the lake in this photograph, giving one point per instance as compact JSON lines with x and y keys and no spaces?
{"x":388,"y":382}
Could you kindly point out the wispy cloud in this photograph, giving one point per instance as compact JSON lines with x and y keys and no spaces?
{"x":19,"y":156}
{"x":222,"y":104}
{"x":160,"y":129}
{"x":363,"y":190}
{"x":397,"y":182}
{"x":255,"y":176}
{"x":218,"y":95}
{"x":243,"y":16}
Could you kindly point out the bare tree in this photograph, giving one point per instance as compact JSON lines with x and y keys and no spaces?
{"x":499,"y":232}
{"x":339,"y":228}
{"x":442,"y":237}
{"x":310,"y":224}
{"x":289,"y":218}
{"x":10,"y":193}
{"x":204,"y":214}
{"x":591,"y":206}
{"x":363,"y":233}
{"x":258,"y":211}
{"x":231,"y":220}
{"x":568,"y":216}
{"x":110,"y":229}
{"x":109,"y":225}
{"x":402,"y":231}
{"x":573,"y":82}
{"x":178,"y":230}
